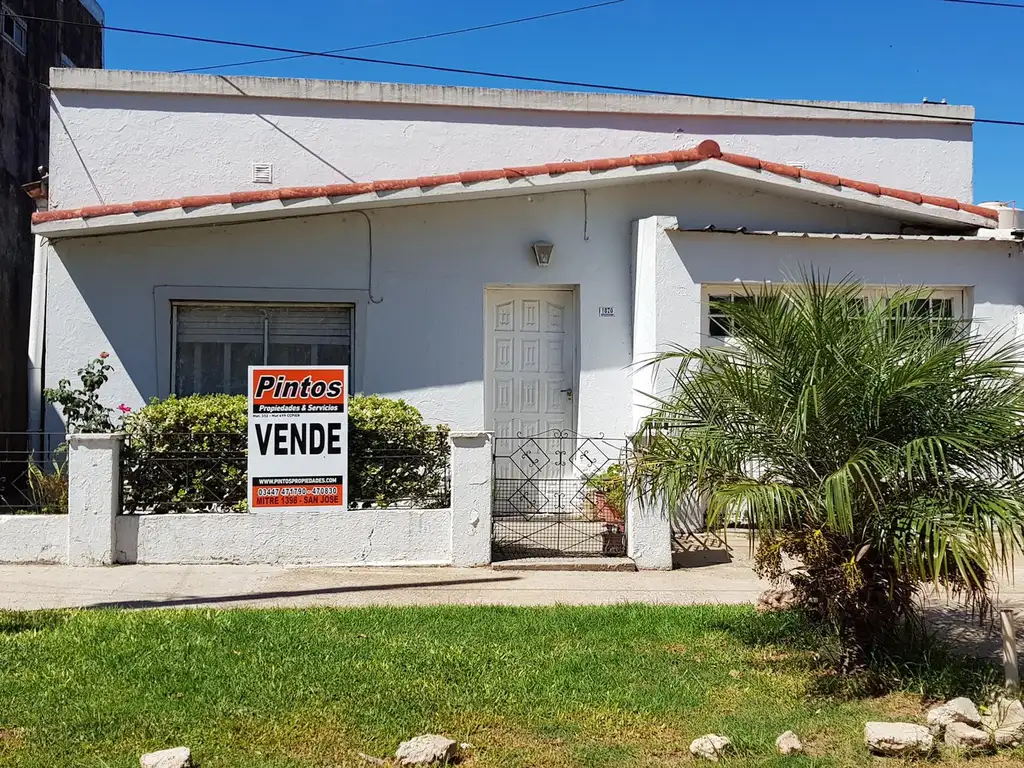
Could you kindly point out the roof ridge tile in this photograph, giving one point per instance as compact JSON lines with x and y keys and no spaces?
{"x":705,"y":150}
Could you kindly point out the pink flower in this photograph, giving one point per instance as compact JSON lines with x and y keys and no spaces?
{"x":124,"y":408}
{"x":104,"y":355}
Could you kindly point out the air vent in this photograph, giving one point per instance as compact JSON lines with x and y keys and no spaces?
{"x":262,"y":173}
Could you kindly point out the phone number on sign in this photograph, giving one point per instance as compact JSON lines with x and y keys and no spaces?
{"x":298,"y":495}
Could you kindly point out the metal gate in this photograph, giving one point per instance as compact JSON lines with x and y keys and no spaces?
{"x":558,"y":494}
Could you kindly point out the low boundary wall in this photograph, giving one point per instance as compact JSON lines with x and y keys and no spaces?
{"x":93,"y":533}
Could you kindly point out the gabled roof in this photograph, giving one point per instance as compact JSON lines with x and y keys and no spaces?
{"x":707,"y":156}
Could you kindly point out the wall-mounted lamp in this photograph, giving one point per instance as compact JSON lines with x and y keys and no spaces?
{"x":542,"y":252}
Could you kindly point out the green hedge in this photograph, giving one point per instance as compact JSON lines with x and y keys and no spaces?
{"x":189,"y":455}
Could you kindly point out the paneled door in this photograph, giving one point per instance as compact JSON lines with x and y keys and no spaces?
{"x":530,"y":362}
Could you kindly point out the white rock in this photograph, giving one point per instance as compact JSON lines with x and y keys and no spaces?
{"x":1005,"y":721}
{"x":898,"y":738}
{"x":789,"y":744}
{"x":429,"y":749}
{"x":964,"y":736}
{"x":179,"y":757}
{"x":961,"y":710}
{"x":710,"y":747}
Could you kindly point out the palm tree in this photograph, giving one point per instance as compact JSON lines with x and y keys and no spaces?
{"x":877,"y":444}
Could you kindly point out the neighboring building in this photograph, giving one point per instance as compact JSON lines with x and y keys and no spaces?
{"x":200,"y":224}
{"x":29,"y":48}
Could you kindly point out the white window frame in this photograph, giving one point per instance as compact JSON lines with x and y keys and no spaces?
{"x":176,"y":305}
{"x":871,"y":293}
{"x":19,"y":24}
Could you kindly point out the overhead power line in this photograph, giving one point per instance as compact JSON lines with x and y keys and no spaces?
{"x":417,"y":38}
{"x":987,"y":2}
{"x":532,"y":79}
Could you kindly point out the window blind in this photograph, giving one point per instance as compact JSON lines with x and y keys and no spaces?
{"x":310,"y":325}
{"x":215,"y":343}
{"x":224,"y":324}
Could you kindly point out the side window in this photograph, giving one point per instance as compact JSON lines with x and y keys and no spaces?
{"x":944,"y":312}
{"x":14,"y":29}
{"x":718,"y":325}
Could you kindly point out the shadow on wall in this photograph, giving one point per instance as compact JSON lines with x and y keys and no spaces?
{"x":431,"y":267}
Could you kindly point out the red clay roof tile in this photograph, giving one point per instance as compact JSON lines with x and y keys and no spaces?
{"x":822,"y":178}
{"x":707,"y":149}
{"x":902,"y":194}
{"x":861,"y":186}
{"x":742,"y":160}
{"x":944,"y":202}
{"x":781,"y":169}
{"x":473,"y":177}
{"x":978,"y":210}
{"x":393,"y":185}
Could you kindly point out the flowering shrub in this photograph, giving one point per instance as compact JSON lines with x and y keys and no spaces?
{"x":81,"y":407}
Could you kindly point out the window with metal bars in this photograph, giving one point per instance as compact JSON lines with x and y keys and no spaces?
{"x":946,"y":307}
{"x":214,"y":344}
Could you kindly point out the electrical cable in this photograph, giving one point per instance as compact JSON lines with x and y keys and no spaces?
{"x":433,"y":36}
{"x":541,"y":80}
{"x":987,"y":2}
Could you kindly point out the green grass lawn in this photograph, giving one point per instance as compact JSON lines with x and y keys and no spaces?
{"x":613,"y":686}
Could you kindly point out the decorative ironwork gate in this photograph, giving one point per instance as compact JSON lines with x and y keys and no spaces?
{"x":558,"y":493}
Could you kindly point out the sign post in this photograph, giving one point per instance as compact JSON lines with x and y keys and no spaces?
{"x":298,"y":438}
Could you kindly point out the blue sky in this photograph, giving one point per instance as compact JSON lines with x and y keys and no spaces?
{"x":871,"y":50}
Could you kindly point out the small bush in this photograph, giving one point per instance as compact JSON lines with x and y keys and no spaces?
{"x":189,"y":455}
{"x":393,"y":457}
{"x":186,"y":455}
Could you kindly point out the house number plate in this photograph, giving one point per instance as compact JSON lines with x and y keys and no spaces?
{"x":606,"y":311}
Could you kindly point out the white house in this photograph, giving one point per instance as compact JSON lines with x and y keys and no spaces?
{"x":198,"y":224}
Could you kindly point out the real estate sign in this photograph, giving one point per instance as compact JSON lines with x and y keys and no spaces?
{"x":298,"y":437}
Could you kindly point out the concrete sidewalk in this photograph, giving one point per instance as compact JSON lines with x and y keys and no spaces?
{"x":24,"y":587}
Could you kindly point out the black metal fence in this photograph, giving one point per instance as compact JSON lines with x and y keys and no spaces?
{"x":33,"y":474}
{"x":207,"y":472}
{"x":183,"y":472}
{"x":559,"y":493}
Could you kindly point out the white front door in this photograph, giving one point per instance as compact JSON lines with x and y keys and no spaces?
{"x":531,"y":361}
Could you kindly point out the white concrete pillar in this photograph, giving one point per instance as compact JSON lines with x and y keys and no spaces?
{"x":471,"y":498}
{"x":648,"y":537}
{"x":94,"y":483}
{"x":648,"y":531}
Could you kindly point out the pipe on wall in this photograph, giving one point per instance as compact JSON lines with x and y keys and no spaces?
{"x":36,"y":336}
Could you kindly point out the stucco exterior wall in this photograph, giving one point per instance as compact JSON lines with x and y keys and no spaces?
{"x":383,"y":537}
{"x":431,"y":264}
{"x":133,"y":138}
{"x":33,"y":538}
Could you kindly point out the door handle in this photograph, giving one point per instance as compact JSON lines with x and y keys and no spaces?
{"x":567,"y":392}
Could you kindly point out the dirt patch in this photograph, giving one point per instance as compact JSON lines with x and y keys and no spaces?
{"x":905,"y":707}
{"x":11,"y":740}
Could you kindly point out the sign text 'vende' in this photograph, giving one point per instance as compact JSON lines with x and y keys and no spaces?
{"x":298,"y":437}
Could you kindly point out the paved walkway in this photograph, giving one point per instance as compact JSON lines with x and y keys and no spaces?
{"x":250,"y":586}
